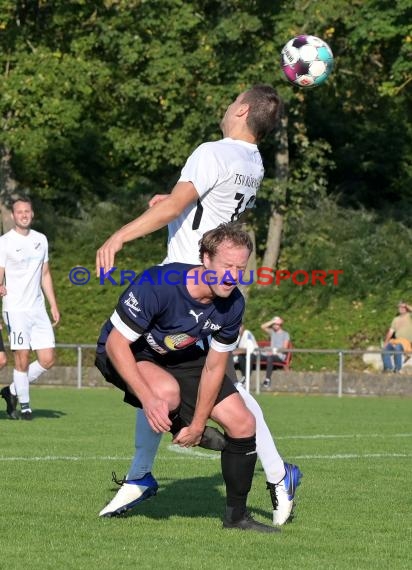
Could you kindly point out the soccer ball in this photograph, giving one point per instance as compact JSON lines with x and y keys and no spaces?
{"x":306,"y":61}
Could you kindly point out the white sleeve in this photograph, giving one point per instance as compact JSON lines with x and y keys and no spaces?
{"x":46,"y":250}
{"x":220,"y":347}
{"x":201,"y":169}
{"x":123,"y":329}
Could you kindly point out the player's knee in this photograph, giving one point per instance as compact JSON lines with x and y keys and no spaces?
{"x":247,"y":425}
{"x":47,"y":361}
{"x":171,"y":394}
{"x":241,"y":425}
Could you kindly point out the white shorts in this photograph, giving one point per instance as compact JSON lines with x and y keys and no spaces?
{"x":30,"y":329}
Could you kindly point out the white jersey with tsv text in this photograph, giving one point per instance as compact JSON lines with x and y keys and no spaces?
{"x":22,"y":257}
{"x":226,"y":174}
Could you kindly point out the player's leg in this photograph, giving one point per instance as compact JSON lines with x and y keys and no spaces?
{"x":3,"y":356}
{"x":268,"y":454}
{"x":238,"y":461}
{"x":43,"y":342}
{"x":239,"y":454}
{"x":19,"y":327}
{"x":147,"y":443}
{"x":10,"y":399}
{"x":281,"y":478}
{"x":21,"y":381}
{"x":139,"y":486}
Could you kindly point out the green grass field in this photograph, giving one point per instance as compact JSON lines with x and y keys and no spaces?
{"x":353,"y":511}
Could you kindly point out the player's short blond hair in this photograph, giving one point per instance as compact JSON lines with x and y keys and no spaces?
{"x":230,"y":232}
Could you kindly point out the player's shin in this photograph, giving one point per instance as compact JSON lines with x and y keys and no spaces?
{"x":238,"y":464}
{"x":146,"y":443}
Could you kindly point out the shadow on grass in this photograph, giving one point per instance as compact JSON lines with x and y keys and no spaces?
{"x":38,"y":413}
{"x":193,"y":497}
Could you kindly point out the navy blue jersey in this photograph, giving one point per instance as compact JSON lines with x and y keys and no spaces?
{"x":168,"y":317}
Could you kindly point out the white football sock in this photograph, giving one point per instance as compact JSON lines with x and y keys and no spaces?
{"x":21,"y":383}
{"x":147,"y":443}
{"x":272,"y":462}
{"x":35,"y":371}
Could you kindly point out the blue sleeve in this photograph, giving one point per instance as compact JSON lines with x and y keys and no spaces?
{"x":138,"y":306}
{"x":230,"y":332}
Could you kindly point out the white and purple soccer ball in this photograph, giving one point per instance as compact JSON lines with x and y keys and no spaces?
{"x":306,"y":61}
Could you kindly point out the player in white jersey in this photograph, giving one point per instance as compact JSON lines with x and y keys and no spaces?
{"x":217,"y":183}
{"x":233,"y":169}
{"x":25,"y":275}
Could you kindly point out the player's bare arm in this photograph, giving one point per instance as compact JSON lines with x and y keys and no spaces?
{"x":157,"y":198}
{"x":209,"y":386}
{"x":121,"y":356}
{"x":156,"y":217}
{"x":3,"y":290}
{"x":47,"y":286}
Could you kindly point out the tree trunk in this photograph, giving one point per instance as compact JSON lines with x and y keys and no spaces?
{"x":247,"y":278}
{"x":8,"y":186}
{"x":274,"y":234}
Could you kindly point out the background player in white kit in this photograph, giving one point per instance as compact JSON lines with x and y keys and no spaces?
{"x":218,"y":182}
{"x":25,"y":274}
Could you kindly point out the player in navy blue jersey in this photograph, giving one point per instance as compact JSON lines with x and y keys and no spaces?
{"x":167,"y":347}
{"x":218,"y":182}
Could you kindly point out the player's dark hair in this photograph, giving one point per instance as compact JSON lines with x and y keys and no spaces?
{"x":24,"y":199}
{"x":230,"y":232}
{"x":265,"y":110}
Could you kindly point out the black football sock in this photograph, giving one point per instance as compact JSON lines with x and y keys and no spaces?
{"x":177,"y":422}
{"x":238,"y":461}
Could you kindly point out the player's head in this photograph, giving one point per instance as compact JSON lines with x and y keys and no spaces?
{"x":23,"y":199}
{"x":265,"y":108}
{"x":22,"y":212}
{"x":230,"y":233}
{"x":224,"y":253}
{"x":253,"y":114}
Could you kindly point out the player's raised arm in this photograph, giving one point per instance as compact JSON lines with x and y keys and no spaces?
{"x":159,"y":215}
{"x":157,"y":198}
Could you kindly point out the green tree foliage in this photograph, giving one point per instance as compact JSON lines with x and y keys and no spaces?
{"x":364,"y":111}
{"x":106,"y":97}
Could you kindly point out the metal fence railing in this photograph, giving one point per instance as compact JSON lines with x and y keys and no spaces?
{"x":338,"y":352}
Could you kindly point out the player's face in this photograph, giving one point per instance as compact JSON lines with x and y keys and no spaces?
{"x":230,"y":115}
{"x":22,"y":215}
{"x":226,"y":268}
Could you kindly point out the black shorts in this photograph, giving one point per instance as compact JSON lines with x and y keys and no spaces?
{"x":186,"y":368}
{"x":2,"y":349}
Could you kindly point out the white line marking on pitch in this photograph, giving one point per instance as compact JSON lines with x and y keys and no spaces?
{"x":345,"y":436}
{"x":187,"y":453}
{"x":195,"y":453}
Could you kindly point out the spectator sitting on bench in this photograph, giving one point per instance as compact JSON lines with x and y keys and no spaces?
{"x":279,"y":339}
{"x":398,"y":339}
